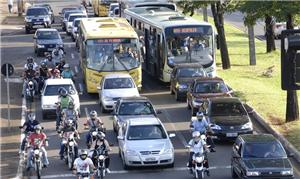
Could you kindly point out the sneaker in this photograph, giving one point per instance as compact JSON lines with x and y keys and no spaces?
{"x":107,"y":170}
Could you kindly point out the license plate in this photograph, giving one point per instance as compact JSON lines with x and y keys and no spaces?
{"x":150,"y":159}
{"x":50,"y":49}
{"x":231,"y":134}
{"x":37,"y":23}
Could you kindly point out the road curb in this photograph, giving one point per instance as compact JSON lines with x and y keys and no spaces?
{"x":286,"y":144}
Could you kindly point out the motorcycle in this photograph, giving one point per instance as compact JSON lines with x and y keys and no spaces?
{"x":84,"y":175}
{"x":100,"y":162}
{"x":69,"y":153}
{"x":93,"y":133}
{"x":30,"y":89}
{"x":36,"y":161}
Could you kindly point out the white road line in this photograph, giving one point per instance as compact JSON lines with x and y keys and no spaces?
{"x":86,"y":111}
{"x":137,"y":171}
{"x":72,"y":55}
{"x":80,"y":87}
{"x":13,"y":80}
{"x":179,"y":135}
{"x":76,"y":69}
{"x":23,"y":119}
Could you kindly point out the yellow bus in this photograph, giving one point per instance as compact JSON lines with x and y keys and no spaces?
{"x":108,"y":45}
{"x":101,"y":7}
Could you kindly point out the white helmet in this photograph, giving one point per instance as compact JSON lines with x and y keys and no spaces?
{"x":200,"y":115}
{"x":31,"y":116}
{"x":196,"y":134}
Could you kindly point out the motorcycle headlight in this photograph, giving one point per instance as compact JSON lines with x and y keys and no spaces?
{"x":94,"y":133}
{"x":196,"y":102}
{"x":131,"y":152}
{"x":247,"y":126}
{"x":101,"y":157}
{"x":64,"y":141}
{"x":36,"y":151}
{"x":252,"y":173}
{"x":28,"y":19}
{"x":71,"y":143}
{"x":40,"y":46}
{"x":287,"y":172}
{"x":215,"y":127}
{"x":199,"y":159}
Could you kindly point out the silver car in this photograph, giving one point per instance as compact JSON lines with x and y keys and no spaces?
{"x":145,"y":142}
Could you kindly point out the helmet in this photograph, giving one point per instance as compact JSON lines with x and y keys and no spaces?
{"x":93,"y":114}
{"x":71,"y":105}
{"x":83,"y":154}
{"x":31,"y":116}
{"x":29,"y":59}
{"x":43,"y":65}
{"x":55,"y":52}
{"x":69,"y":122}
{"x":101,"y":136}
{"x":66,"y":65}
{"x":56,"y":72}
{"x":63,"y":92}
{"x":196,"y":134}
{"x":199,"y":115}
{"x":30,"y":66}
{"x":37,"y":128}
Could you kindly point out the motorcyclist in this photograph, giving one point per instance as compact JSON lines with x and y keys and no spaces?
{"x":93,"y":123}
{"x":49,"y":61}
{"x":30,"y":73}
{"x":28,"y":128}
{"x":202,"y":126}
{"x":83,"y":164}
{"x":197,"y":145}
{"x":57,"y":54}
{"x":63,"y":103}
{"x":30,"y":60}
{"x":100,"y":143}
{"x":67,"y":72}
{"x":64,"y":133}
{"x":55,"y":73}
{"x":70,"y":113}
{"x":38,"y":139}
{"x":61,"y":65}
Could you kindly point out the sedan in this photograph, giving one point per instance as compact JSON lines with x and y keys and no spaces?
{"x":45,"y":40}
{"x":260,"y":156}
{"x":113,"y":87}
{"x":145,"y":142}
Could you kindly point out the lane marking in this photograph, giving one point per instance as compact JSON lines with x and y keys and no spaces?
{"x":76,"y":69}
{"x":86,"y":112}
{"x":72,"y":55}
{"x":156,"y":93}
{"x":139,"y":171}
{"x":80,"y":87}
{"x":14,"y":80}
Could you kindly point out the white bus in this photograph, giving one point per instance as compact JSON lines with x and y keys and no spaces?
{"x":170,"y":38}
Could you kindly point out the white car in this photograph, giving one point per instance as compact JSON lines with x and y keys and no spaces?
{"x":50,"y":95}
{"x":114,"y":86}
{"x":113,"y":9}
{"x":69,"y":22}
{"x":145,"y":142}
{"x":75,"y":26}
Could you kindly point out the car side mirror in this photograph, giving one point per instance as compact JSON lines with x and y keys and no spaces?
{"x":172,"y":135}
{"x":120,"y":138}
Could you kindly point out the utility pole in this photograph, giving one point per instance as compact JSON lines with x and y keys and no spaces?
{"x":204,"y":11}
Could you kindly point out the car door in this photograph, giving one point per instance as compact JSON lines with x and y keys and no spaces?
{"x":116,"y":113}
{"x":101,"y":88}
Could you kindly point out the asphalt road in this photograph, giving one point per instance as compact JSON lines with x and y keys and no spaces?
{"x":175,"y":117}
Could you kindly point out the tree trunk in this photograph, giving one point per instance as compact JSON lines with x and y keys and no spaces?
{"x":251,"y":45}
{"x":270,"y":38}
{"x":204,"y":10}
{"x":219,"y":23}
{"x":292,"y":108}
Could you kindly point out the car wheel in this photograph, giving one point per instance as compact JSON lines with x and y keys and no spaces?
{"x":233,"y":174}
{"x":125,"y":166}
{"x":187,"y":102}
{"x":171,"y":165}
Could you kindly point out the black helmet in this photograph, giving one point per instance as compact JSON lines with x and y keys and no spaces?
{"x":93,"y":114}
{"x":29,"y":59}
{"x":101,"y":136}
{"x":30,"y":66}
{"x":64,"y":92}
{"x":43,"y":65}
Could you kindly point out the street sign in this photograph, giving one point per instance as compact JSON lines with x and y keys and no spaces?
{"x":7,"y":69}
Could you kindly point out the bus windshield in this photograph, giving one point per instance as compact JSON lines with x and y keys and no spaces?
{"x":112,"y":54}
{"x":190,"y":45}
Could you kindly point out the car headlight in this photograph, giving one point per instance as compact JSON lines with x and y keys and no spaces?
{"x":215,"y":127}
{"x":46,"y":19}
{"x":181,"y":86}
{"x":28,"y":19}
{"x":40,"y":46}
{"x":196,"y":102}
{"x":252,"y":173}
{"x":287,"y":172}
{"x":168,"y":151}
{"x":131,"y":152}
{"x":248,"y":125}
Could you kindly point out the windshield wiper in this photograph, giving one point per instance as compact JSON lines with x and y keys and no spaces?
{"x":121,"y":63}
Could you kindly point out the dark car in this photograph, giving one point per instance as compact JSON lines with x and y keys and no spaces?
{"x":259,"y":156}
{"x":132,"y":107}
{"x":182,"y":76}
{"x":50,"y":11}
{"x":45,"y":40}
{"x":203,"y":88}
{"x":36,"y":17}
{"x":228,"y":118}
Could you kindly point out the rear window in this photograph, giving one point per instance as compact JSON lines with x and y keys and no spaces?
{"x":190,"y":72}
{"x":227,"y":109}
{"x":210,"y":87}
{"x":146,"y":132}
{"x":136,"y":108}
{"x":263,"y":150}
{"x":37,"y":12}
{"x":116,"y":83}
{"x":71,"y":18}
{"x":47,"y":35}
{"x":67,"y":13}
{"x":52,"y":90}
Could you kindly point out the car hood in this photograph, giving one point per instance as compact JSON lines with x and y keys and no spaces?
{"x":51,"y":100}
{"x":148,"y":145}
{"x":123,"y":118}
{"x":50,"y":41}
{"x":260,"y":163}
{"x":118,"y":93}
{"x":229,"y":120}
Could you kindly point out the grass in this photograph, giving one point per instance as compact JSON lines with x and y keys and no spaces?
{"x":262,"y":93}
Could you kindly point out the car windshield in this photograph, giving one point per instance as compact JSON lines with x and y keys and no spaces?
{"x":37,"y":12}
{"x":52,"y":90}
{"x":67,"y":13}
{"x":76,"y":23}
{"x":190,"y":72}
{"x":136,"y":108}
{"x":190,"y":44}
{"x":146,"y":132}
{"x":47,"y":35}
{"x":227,"y":109}
{"x":71,"y":18}
{"x":112,"y":54}
{"x":210,"y":87}
{"x":117,"y":83}
{"x":263,"y":150}
{"x":68,"y":9}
